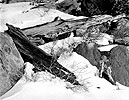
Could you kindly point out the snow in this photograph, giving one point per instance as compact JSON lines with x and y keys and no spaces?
{"x":107,"y":48}
{"x":43,"y":85}
{"x":104,"y":39}
{"x":47,"y":91}
{"x":61,"y":46}
{"x":47,"y":87}
{"x":20,"y":15}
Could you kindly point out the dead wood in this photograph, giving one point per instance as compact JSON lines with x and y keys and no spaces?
{"x":55,"y":30}
{"x":60,"y":29}
{"x":41,"y":60}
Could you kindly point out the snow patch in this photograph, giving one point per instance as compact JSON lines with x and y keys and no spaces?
{"x":107,"y":48}
{"x":61,"y":46}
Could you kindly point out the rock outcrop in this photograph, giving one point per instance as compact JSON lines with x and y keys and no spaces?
{"x":11,"y":64}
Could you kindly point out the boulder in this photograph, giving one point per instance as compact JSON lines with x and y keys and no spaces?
{"x":11,"y":64}
{"x":96,"y":7}
{"x":121,"y":32}
{"x":119,"y":59}
{"x":90,"y":52}
{"x":69,"y":6}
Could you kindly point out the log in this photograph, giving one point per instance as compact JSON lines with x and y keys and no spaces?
{"x":59,"y":28}
{"x":56,"y":30}
{"x":41,"y":60}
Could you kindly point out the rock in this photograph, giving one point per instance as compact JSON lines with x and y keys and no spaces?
{"x":121,"y":32}
{"x":90,"y":52}
{"x":96,"y":7}
{"x":122,"y":28}
{"x":68,"y":6}
{"x":11,"y":64}
{"x":119,"y":59}
{"x":120,"y":7}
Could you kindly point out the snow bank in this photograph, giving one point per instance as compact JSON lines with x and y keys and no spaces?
{"x":47,"y":91}
{"x":46,"y":87}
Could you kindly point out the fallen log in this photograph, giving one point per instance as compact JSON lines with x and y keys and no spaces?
{"x":55,"y":30}
{"x":60,"y":29}
{"x":41,"y":60}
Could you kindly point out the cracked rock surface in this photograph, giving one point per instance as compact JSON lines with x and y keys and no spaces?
{"x":11,"y":64}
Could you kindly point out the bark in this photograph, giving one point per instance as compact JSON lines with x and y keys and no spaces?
{"x":55,"y":30}
{"x":59,"y":29}
{"x":41,"y":60}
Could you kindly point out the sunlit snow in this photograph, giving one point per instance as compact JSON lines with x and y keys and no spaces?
{"x":47,"y":87}
{"x":43,"y":85}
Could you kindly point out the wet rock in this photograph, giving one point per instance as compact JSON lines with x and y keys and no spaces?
{"x":90,"y":52}
{"x":11,"y":64}
{"x":119,"y":59}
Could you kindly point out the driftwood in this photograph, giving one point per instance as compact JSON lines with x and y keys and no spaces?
{"x":41,"y":60}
